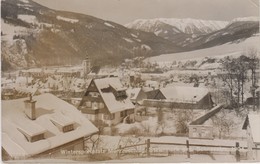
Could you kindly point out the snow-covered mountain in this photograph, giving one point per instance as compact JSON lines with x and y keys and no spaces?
{"x":34,"y":35}
{"x":236,"y":31}
{"x":192,"y":34}
{"x":188,"y":26}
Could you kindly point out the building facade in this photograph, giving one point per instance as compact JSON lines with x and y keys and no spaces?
{"x":106,"y":100}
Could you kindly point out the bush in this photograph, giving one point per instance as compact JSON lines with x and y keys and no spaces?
{"x":133,"y":131}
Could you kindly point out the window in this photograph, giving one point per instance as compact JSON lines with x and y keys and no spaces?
{"x":122,"y":114}
{"x":130,"y":111}
{"x":121,"y":93}
{"x":88,"y":104}
{"x":101,"y":105}
{"x":94,"y":94}
{"x":106,"y":117}
{"x":68,"y":128}
{"x":195,"y":130}
{"x":37,"y":137}
{"x":112,"y":117}
{"x":109,"y":116}
{"x":94,"y":105}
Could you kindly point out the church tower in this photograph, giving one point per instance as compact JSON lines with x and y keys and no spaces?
{"x":86,"y":66}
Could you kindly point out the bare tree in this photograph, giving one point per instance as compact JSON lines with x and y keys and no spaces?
{"x":160,"y":119}
{"x":93,"y":144}
{"x":253,"y":65}
{"x":223,"y":124}
{"x":235,"y":75}
{"x":241,"y":67}
{"x":184,"y":117}
{"x":227,"y":76}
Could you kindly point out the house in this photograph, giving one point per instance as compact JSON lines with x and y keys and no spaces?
{"x":152,"y":84}
{"x":251,"y":125}
{"x":75,"y":101}
{"x":199,"y":128}
{"x":106,"y":100}
{"x":23,"y":81}
{"x":154,"y":94}
{"x":7,"y":93}
{"x":137,"y":95}
{"x":36,"y":72}
{"x":25,"y":91}
{"x":6,"y":82}
{"x":188,"y":97}
{"x":42,"y":126}
{"x":252,"y":97}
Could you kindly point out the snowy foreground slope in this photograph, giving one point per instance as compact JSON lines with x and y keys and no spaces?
{"x":227,"y":49}
{"x":180,"y":158}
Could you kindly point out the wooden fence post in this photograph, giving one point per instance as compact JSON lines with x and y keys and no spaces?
{"x":148,"y":147}
{"x":237,"y":152}
{"x":118,"y":152}
{"x":188,"y":148}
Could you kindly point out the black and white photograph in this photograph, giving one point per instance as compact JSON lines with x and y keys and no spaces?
{"x":130,"y":81}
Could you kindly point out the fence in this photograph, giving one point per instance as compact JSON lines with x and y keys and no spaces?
{"x":236,"y":149}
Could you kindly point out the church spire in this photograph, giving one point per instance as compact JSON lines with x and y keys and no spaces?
{"x":86,"y":65}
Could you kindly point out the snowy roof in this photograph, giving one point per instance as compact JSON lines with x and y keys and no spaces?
{"x":151,"y":82}
{"x":28,"y":127}
{"x":23,"y":80}
{"x":67,"y":70}
{"x":253,"y":120}
{"x":184,"y":94}
{"x":61,"y":119}
{"x":152,"y":94}
{"x":28,"y":90}
{"x":133,"y":93}
{"x":35,"y":70}
{"x":114,"y":82}
{"x":247,"y":94}
{"x":6,"y":81}
{"x":147,"y":89}
{"x":109,"y":98}
{"x":48,"y":107}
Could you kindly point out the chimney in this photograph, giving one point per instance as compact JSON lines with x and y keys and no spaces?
{"x":30,"y":108}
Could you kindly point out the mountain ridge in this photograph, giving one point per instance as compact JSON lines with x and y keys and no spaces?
{"x":200,"y":36}
{"x":186,"y":25}
{"x":51,"y":37}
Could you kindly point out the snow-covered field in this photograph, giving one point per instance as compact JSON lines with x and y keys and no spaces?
{"x":67,"y":19}
{"x":228,"y":49}
{"x":41,"y":161}
{"x":113,"y":142}
{"x":109,"y":25}
{"x":27,"y":18}
{"x":9,"y":31}
{"x":180,"y":158}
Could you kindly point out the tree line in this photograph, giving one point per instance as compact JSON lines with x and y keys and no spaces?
{"x":236,"y":73}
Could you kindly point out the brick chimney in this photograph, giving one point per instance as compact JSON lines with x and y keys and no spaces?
{"x":30,"y":108}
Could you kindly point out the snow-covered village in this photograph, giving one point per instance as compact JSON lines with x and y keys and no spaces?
{"x":80,"y":88}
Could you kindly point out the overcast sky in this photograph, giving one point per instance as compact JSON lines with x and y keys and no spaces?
{"x":124,"y":11}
